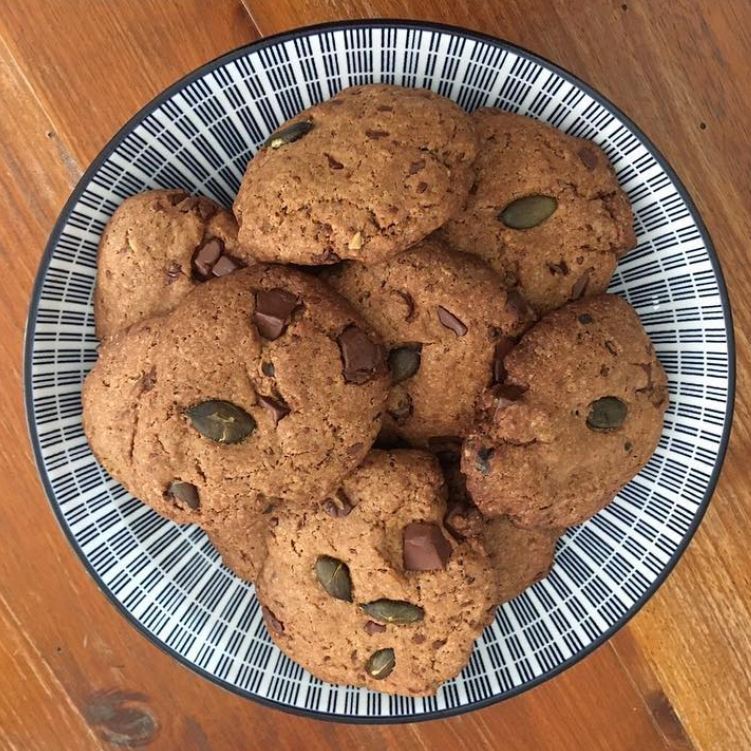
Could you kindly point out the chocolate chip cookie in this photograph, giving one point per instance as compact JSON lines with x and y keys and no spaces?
{"x":370,"y":589}
{"x":446,"y":321}
{"x":545,"y":210}
{"x":362,"y":176}
{"x":262,"y":385}
{"x":579,"y":413}
{"x":158,"y":246}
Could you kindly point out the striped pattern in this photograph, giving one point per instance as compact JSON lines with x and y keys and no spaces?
{"x":199,"y":137}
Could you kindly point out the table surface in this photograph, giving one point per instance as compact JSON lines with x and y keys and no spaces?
{"x":74,"y":674}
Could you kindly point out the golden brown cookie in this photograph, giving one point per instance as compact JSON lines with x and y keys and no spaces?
{"x":362,"y":176}
{"x":370,"y":589}
{"x":445,"y":318}
{"x":156,"y":247}
{"x":262,"y":385}
{"x":578,"y":415}
{"x":545,"y":211}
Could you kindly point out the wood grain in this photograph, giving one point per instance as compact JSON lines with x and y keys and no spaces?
{"x":74,"y":674}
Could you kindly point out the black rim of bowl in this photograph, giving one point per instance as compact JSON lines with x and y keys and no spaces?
{"x":341,"y":26}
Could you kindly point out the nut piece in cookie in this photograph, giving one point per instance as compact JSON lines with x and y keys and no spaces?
{"x":380,"y":596}
{"x":239,"y":396}
{"x":448,"y":324}
{"x":579,"y":413}
{"x":545,"y":210}
{"x":362,"y":176}
{"x":157,"y":247}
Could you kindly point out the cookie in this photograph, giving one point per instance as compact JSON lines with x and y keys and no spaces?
{"x":362,"y":176}
{"x":579,"y":414}
{"x":546,"y":210}
{"x":156,"y":247}
{"x":370,"y":589}
{"x":446,"y":320}
{"x":519,"y":557}
{"x":261,"y":385}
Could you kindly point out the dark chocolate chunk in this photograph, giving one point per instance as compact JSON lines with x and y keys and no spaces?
{"x":273,"y":312}
{"x":271,"y":620}
{"x":506,"y":394}
{"x":580,"y":286}
{"x":339,"y":506}
{"x":451,"y":322}
{"x":371,"y":627}
{"x":276,"y":407}
{"x":588,"y":157}
{"x":409,"y":302}
{"x":226,"y":265}
{"x":502,"y":348}
{"x":184,"y":494}
{"x":333,"y":163}
{"x":585,"y":318}
{"x":425,"y":548}
{"x":376,"y":134}
{"x":362,"y":358}
{"x":517,"y":304}
{"x":205,"y":257}
{"x":416,"y":167}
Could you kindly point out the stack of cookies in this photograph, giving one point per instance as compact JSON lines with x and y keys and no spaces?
{"x":386,"y":381}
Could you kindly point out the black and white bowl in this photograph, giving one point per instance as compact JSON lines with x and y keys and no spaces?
{"x":199,"y":135}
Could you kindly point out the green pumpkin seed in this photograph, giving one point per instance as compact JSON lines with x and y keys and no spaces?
{"x":381,"y":663}
{"x":607,"y":413}
{"x":528,"y":211}
{"x":288,"y":134}
{"x":334,"y":577}
{"x":404,"y":362}
{"x":394,"y":611}
{"x":221,"y":421}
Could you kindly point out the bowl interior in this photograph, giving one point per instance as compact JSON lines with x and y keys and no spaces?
{"x":198,"y":136}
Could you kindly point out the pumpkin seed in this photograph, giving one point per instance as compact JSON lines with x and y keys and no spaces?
{"x":290,"y":133}
{"x":394,"y":611}
{"x":184,"y":492}
{"x":221,"y":421}
{"x":528,"y":211}
{"x":607,"y":413}
{"x":404,"y":362}
{"x":333,"y":576}
{"x":381,"y":663}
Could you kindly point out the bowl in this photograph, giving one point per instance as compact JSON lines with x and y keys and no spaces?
{"x":199,"y":135}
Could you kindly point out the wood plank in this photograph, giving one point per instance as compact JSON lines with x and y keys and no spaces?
{"x":93,"y":64}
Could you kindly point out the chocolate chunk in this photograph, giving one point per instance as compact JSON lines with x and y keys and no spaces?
{"x":277,"y":408}
{"x":271,"y":620}
{"x":482,"y":460}
{"x":558,"y":269}
{"x":438,"y":643}
{"x":580,"y":286}
{"x":588,"y":157}
{"x":421,"y":187}
{"x":502,"y":348}
{"x":610,"y":347}
{"x":585,"y":318}
{"x":463,"y":520}
{"x":371,"y":627}
{"x":173,"y":272}
{"x":226,"y":265}
{"x":148,"y":380}
{"x":339,"y":506}
{"x":363,"y":359}
{"x":326,"y":258}
{"x":274,"y":308}
{"x":425,"y":547}
{"x":416,"y":167}
{"x":376,"y":134}
{"x":186,"y":204}
{"x":184,"y":494}
{"x":451,"y":322}
{"x":418,"y":639}
{"x":333,"y":163}
{"x":205,"y":257}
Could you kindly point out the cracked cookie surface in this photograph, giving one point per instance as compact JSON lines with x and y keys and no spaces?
{"x":580,"y":412}
{"x":524,"y":171}
{"x":443,"y":316}
{"x":375,"y":170}
{"x":262,"y":385}
{"x":158,"y":246}
{"x":370,"y":589}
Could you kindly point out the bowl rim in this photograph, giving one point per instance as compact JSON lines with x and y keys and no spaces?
{"x":343,"y":25}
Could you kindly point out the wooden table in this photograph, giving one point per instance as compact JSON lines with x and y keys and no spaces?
{"x":74,"y":674}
